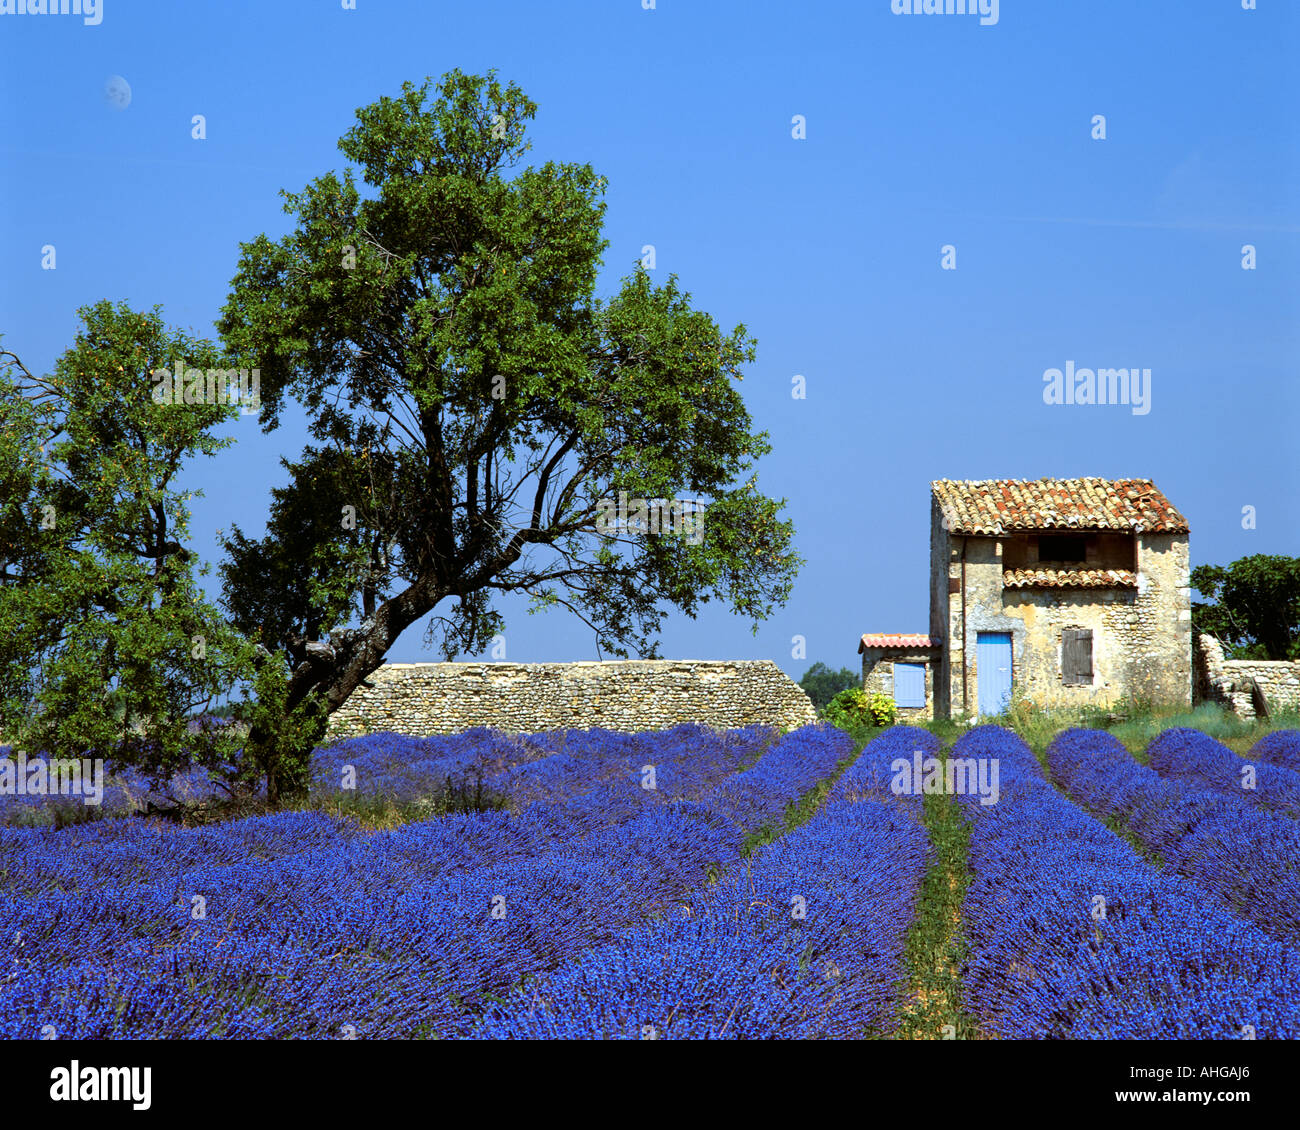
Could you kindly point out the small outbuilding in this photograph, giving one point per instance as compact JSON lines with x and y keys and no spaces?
{"x":901,"y":667}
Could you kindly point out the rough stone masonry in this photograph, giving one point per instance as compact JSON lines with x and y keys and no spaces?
{"x":422,"y":699}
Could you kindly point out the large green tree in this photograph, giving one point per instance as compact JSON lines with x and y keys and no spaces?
{"x":107,"y":645}
{"x":1255,"y":609}
{"x":473,"y":403}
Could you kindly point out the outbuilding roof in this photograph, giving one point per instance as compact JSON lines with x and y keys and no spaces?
{"x":882,"y":639}
{"x":1000,"y":506}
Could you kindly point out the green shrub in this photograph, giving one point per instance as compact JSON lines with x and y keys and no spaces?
{"x":882,"y":710}
{"x":849,"y":709}
{"x":852,"y":710}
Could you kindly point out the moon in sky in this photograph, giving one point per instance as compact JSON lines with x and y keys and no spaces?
{"x":117,"y":91}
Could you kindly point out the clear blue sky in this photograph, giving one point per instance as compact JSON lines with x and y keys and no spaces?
{"x":922,"y":131}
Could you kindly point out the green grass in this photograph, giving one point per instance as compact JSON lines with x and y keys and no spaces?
{"x":802,"y":810}
{"x":1236,"y":733}
{"x":1136,"y":723}
{"x":936,"y":943}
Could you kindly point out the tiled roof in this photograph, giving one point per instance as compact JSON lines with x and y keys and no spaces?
{"x":1049,"y":578}
{"x":881,"y":639}
{"x":998,"y":506}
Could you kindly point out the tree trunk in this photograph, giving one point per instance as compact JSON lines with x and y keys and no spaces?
{"x":352,"y":660}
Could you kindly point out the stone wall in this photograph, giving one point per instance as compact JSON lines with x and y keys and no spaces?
{"x":422,"y":699}
{"x":1227,"y":681}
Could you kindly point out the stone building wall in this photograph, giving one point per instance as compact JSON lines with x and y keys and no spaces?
{"x":945,"y":611}
{"x":1141,"y":638}
{"x":422,"y":699}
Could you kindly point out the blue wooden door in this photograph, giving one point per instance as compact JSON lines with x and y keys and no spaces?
{"x":993,"y":671}
{"x":909,"y":684}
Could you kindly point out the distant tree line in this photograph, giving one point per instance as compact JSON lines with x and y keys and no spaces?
{"x":822,"y":684}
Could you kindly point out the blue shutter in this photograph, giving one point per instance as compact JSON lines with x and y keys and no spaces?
{"x":909,"y":684}
{"x":993,"y":671}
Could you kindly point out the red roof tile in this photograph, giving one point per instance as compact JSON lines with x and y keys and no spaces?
{"x":880,"y":639}
{"x":998,"y":506}
{"x":1068,"y":578}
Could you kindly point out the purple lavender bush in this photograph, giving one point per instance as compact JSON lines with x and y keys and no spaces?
{"x":1189,"y":755}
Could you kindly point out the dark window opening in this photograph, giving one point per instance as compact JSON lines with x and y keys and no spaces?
{"x":1062,"y":549}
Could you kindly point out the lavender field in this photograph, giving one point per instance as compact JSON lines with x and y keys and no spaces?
{"x":684,"y":884}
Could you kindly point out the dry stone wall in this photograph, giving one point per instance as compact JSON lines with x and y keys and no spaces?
{"x":422,"y":699}
{"x":1227,"y":681}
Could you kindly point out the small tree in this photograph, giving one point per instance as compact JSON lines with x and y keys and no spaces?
{"x":106,"y":643}
{"x":1255,"y":612}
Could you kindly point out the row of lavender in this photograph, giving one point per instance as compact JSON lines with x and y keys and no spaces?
{"x":1074,"y":935}
{"x":394,"y":934}
{"x":595,"y":780}
{"x":393,"y":767}
{"x":1280,"y":748}
{"x":1217,"y":836}
{"x":804,"y":941}
{"x":1268,"y":783}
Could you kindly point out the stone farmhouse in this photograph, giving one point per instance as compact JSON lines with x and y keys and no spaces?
{"x":1070,"y":590}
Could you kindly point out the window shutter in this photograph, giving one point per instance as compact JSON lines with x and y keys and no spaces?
{"x":1076,"y":656}
{"x":909,"y":684}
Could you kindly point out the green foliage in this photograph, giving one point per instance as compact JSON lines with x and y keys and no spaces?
{"x":881,"y":710}
{"x":106,"y":642}
{"x":1255,"y":612}
{"x":848,"y":710}
{"x":821,"y":684}
{"x":472,"y":405}
{"x":281,"y":738}
{"x":474,"y":402}
{"x":853,"y":711}
{"x":310,"y":568}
